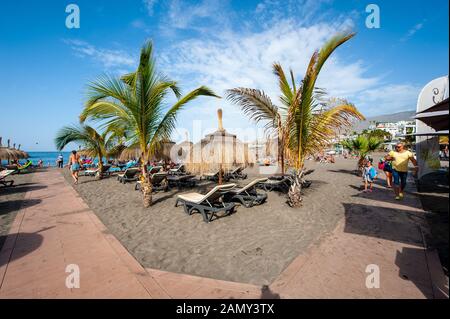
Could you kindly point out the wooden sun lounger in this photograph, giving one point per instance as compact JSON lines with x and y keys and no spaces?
{"x":207,"y":205}
{"x":248,"y":195}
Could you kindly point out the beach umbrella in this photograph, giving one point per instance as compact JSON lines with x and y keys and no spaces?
{"x":219,"y":150}
{"x":6,"y":152}
{"x":24,"y":154}
{"x":130,"y":153}
{"x":182,"y":152}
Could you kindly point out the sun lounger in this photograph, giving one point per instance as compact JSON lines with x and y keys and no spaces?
{"x":236,"y":173}
{"x":154,"y":170}
{"x":26,"y":168}
{"x":214,"y":176}
{"x":130,"y":175}
{"x":181,"y":180}
{"x":248,"y":195}
{"x":207,"y":205}
{"x":5,"y":173}
{"x":180,"y":170}
{"x":281,"y":184}
{"x":94,"y":172}
{"x":159,"y":182}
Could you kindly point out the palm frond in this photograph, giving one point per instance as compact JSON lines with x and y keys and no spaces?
{"x":255,"y":104}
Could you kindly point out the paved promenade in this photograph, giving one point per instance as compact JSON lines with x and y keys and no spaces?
{"x":58,"y":229}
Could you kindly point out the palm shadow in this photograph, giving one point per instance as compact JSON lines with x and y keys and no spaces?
{"x":9,"y":206}
{"x":24,"y":243}
{"x":21,"y":188}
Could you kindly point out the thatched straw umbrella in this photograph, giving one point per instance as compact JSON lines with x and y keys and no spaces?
{"x":182,"y":152}
{"x":6,"y":152}
{"x":24,"y":154}
{"x":163,"y":153}
{"x":218,"y":151}
{"x":130,"y":153}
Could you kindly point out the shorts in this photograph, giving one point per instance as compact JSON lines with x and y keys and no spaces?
{"x":399,"y":178}
{"x":75,"y":167}
{"x":387,"y":168}
{"x":368,"y":179}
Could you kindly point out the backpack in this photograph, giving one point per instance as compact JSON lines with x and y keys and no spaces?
{"x":381,"y":165}
{"x":373,"y":173}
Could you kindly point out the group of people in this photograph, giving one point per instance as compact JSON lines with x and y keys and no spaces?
{"x":395,"y":167}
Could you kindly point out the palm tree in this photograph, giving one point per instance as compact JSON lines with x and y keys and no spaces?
{"x":94,"y":143}
{"x":136,"y":102}
{"x":304,"y":125}
{"x":363,"y":145}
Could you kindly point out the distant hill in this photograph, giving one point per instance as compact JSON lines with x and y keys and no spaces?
{"x":395,"y":117}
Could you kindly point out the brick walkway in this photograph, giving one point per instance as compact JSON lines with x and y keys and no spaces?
{"x":59,"y":229}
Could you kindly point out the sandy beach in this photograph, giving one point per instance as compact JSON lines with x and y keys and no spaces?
{"x":251,"y":246}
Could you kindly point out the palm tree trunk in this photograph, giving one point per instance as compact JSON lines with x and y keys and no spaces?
{"x":146,"y":184}
{"x":99,"y":175}
{"x":295,"y":191}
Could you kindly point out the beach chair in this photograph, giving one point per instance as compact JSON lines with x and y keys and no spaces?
{"x":182,"y":180}
{"x":130,"y":175}
{"x":154,"y":170}
{"x":247,"y":195}
{"x":26,"y":168}
{"x":214,"y":176}
{"x":237,"y":173}
{"x":159,"y":182}
{"x":207,"y":205}
{"x":5,"y":173}
{"x":281,"y":184}
{"x":180,"y":170}
{"x":95,"y":172}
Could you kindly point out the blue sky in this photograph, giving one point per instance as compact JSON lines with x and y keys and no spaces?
{"x":222,"y":44}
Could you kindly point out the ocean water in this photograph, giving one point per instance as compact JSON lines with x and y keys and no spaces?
{"x":49,"y":158}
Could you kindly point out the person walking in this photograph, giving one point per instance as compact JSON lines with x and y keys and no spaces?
{"x":400,"y":159}
{"x":369,"y":175}
{"x":74,"y":165}
{"x":386,"y":167}
{"x":60,"y":161}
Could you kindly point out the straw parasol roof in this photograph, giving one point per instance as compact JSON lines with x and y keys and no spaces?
{"x":163,"y":153}
{"x":180,"y":152}
{"x":217,"y":151}
{"x":11,"y":153}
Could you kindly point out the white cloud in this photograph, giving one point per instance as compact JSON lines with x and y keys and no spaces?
{"x":201,"y":16}
{"x":234,"y":60}
{"x":412,"y":31}
{"x":150,"y":6}
{"x":388,"y":99}
{"x":107,"y":57}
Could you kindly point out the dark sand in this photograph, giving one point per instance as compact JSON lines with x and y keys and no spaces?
{"x":253,"y":245}
{"x":11,"y":200}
